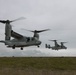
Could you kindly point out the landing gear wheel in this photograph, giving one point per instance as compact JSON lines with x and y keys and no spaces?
{"x":21,"y":48}
{"x":38,"y":46}
{"x":13,"y":47}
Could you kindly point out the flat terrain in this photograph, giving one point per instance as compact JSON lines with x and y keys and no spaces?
{"x":37,"y":66}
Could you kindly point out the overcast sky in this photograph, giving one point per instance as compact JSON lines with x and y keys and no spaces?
{"x":57,"y":15}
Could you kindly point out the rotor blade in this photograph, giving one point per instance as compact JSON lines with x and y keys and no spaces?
{"x":52,"y":40}
{"x":26,"y":29}
{"x":21,"y":18}
{"x":41,"y":30}
{"x":55,"y":40}
{"x":36,"y":31}
{"x":8,"y":21}
{"x":2,"y":21}
{"x":63,"y":42}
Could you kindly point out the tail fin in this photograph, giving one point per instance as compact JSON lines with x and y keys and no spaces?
{"x":47,"y":46}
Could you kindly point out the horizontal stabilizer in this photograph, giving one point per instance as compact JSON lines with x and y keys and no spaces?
{"x":3,"y":41}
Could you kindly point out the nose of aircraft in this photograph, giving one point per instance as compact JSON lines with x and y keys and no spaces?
{"x":39,"y":42}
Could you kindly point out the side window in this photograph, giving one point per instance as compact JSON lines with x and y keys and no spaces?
{"x":32,"y":39}
{"x":28,"y":39}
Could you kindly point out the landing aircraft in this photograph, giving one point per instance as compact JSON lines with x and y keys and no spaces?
{"x":20,"y":40}
{"x":57,"y":46}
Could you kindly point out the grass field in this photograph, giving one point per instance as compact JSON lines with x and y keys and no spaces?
{"x":37,"y":66}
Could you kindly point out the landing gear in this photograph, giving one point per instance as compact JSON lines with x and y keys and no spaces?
{"x":13,"y":47}
{"x":21,"y":48}
{"x":38,"y":46}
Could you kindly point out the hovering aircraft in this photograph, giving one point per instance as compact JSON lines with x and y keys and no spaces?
{"x":20,"y":40}
{"x":23,"y":41}
{"x":57,"y":46}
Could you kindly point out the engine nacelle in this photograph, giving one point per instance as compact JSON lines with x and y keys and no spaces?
{"x":8,"y":29}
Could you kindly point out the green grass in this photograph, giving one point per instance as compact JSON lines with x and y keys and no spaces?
{"x":49,"y":63}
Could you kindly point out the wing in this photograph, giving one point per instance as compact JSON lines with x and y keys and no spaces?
{"x":16,"y":35}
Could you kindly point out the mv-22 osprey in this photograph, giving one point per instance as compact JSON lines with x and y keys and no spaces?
{"x":19,"y":40}
{"x":57,"y":46}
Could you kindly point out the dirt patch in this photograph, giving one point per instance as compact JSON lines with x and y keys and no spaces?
{"x":30,"y":71}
